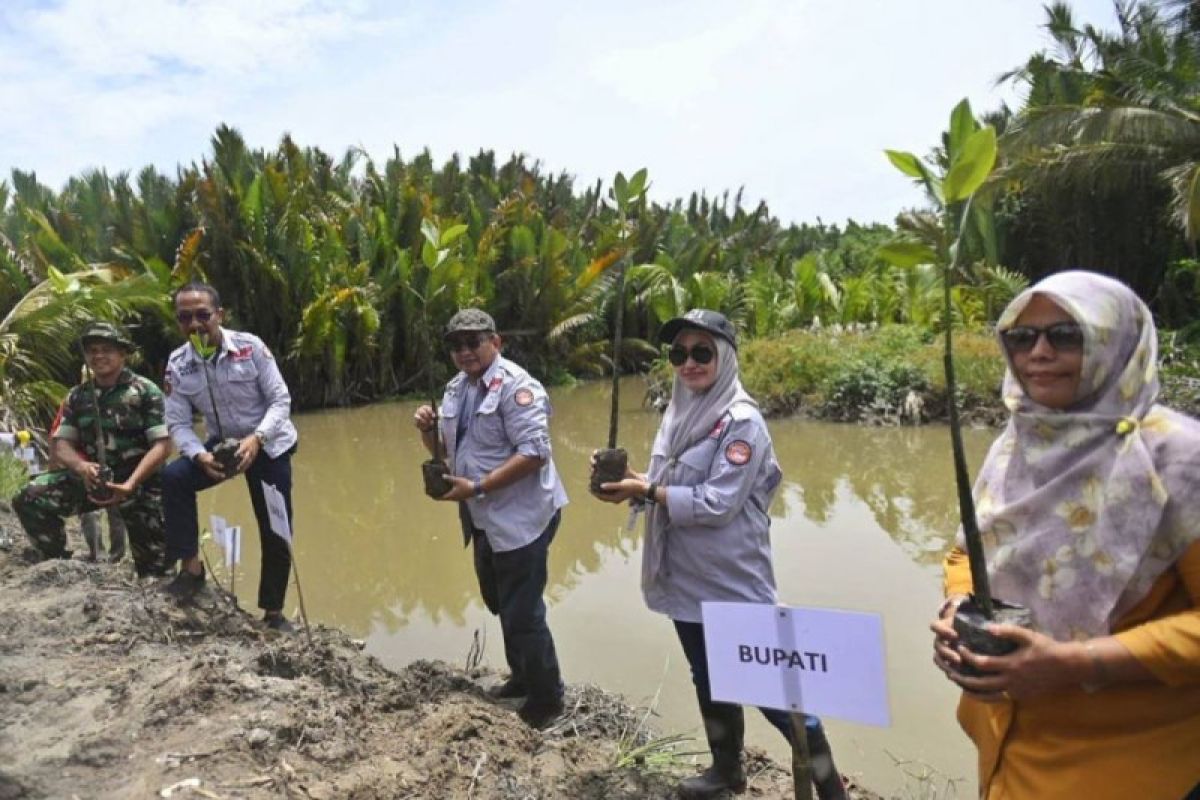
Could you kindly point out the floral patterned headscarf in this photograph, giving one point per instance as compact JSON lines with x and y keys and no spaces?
{"x":1082,"y":509}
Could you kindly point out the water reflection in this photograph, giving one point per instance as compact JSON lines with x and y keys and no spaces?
{"x":905,"y":476}
{"x":862,"y":520}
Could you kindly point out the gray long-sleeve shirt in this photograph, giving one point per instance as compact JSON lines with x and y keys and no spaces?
{"x":250,"y":392}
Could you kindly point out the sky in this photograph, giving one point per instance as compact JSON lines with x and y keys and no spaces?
{"x":792,"y":100}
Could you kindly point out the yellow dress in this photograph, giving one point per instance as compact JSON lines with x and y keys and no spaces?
{"x":1132,"y":741}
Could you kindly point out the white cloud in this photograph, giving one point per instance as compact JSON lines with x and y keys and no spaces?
{"x":795,"y":100}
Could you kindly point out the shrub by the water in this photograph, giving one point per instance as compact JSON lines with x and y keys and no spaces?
{"x":869,"y":373}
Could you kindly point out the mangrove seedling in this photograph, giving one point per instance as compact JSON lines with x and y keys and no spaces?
{"x":970,"y":152}
{"x":612,"y":463}
{"x":435,"y":255}
{"x":225,"y":451}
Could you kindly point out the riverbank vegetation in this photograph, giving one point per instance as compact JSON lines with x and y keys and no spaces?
{"x":327,"y":258}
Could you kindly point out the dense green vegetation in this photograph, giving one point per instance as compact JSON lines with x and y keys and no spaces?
{"x":347,"y":266}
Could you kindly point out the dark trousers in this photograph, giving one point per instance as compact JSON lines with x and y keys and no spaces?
{"x":511,"y":584}
{"x":182,"y":479}
{"x":691,"y":636}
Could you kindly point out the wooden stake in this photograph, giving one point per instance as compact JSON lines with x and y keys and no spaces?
{"x":801,"y":763}
{"x":300,"y":594}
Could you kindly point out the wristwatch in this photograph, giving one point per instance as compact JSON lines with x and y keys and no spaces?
{"x":478,"y":486}
{"x":262,"y":437}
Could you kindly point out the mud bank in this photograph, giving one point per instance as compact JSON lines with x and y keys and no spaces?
{"x":110,"y":690}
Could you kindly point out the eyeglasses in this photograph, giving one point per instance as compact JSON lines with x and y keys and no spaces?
{"x":464,"y":343}
{"x":1065,"y":337}
{"x":701,"y":354}
{"x":185,"y":317}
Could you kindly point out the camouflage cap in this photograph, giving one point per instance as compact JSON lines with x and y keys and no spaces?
{"x":470,"y":319}
{"x":107,"y":332}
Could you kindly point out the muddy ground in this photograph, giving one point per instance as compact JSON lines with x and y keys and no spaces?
{"x":110,"y":690}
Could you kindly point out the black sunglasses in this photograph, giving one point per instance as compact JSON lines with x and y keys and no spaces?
{"x":701,"y":354}
{"x":185,"y":317}
{"x":1065,"y":337}
{"x":464,"y":343}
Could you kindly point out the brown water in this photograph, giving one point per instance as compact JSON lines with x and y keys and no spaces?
{"x":861,"y":523}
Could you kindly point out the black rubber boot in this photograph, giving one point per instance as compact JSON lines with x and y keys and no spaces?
{"x":825,"y":776}
{"x":724,"y":726}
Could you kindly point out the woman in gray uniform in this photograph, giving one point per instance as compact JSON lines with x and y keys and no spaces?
{"x":712,"y":476}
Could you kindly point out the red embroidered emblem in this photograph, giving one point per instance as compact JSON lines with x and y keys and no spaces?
{"x":717,"y":429}
{"x":495,"y":384}
{"x":523,"y":397}
{"x":738,"y":452}
{"x":243,"y":353}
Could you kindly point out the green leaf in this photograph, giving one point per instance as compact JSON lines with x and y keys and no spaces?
{"x":906,"y":253}
{"x":59,"y":282}
{"x":429,"y":230}
{"x":637,"y":184}
{"x":621,"y":190}
{"x":972,"y":167}
{"x":1193,"y":205}
{"x":429,"y":255}
{"x":962,"y":125}
{"x":907,"y":163}
{"x":452,"y":234}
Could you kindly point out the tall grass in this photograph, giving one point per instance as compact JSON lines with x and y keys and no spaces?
{"x":13,"y":476}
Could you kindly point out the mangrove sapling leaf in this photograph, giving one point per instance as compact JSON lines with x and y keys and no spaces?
{"x":905,"y":253}
{"x":225,"y":451}
{"x":974,"y":164}
{"x":435,"y":254}
{"x":611,"y":463}
{"x":907,"y":163}
{"x":972,"y":153}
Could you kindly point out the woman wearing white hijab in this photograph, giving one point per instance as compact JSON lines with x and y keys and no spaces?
{"x":711,"y":479}
{"x":1089,"y":505}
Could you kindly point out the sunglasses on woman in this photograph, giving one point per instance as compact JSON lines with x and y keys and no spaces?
{"x":700,"y":353}
{"x":186,"y":317}
{"x":1065,"y":337}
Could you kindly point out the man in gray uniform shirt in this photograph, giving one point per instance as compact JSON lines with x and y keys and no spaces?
{"x":252,"y":405}
{"x":495,"y":426}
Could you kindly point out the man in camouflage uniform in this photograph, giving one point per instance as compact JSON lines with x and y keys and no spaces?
{"x":135,"y":442}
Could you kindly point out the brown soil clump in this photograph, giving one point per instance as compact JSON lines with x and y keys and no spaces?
{"x":109,"y":689}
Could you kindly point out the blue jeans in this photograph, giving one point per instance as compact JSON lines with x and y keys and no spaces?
{"x":691,"y":636}
{"x":511,"y":584}
{"x":182,"y":479}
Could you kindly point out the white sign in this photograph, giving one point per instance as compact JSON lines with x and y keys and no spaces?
{"x":811,"y":660}
{"x":229,"y":538}
{"x":277,"y":511}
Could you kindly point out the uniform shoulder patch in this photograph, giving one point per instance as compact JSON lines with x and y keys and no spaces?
{"x":523,"y":397}
{"x":266,"y":351}
{"x":738,"y":452}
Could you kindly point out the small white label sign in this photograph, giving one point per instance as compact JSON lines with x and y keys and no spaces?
{"x":277,"y":511}
{"x":811,"y":660}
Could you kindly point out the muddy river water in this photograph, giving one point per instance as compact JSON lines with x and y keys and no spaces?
{"x":861,"y":522}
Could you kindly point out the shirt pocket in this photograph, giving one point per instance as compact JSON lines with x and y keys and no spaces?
{"x":696,"y":463}
{"x":242,"y":379}
{"x":189,"y":385}
{"x":488,"y":428}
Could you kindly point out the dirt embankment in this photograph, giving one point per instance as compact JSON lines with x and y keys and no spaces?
{"x":110,"y":690}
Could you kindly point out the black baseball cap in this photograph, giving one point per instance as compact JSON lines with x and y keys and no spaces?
{"x":709,"y":321}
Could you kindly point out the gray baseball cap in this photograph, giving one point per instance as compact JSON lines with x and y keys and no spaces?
{"x":470,"y":319}
{"x":713,"y":322}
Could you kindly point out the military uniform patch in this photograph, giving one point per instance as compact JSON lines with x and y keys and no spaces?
{"x":738,"y":452}
{"x":523,"y":397}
